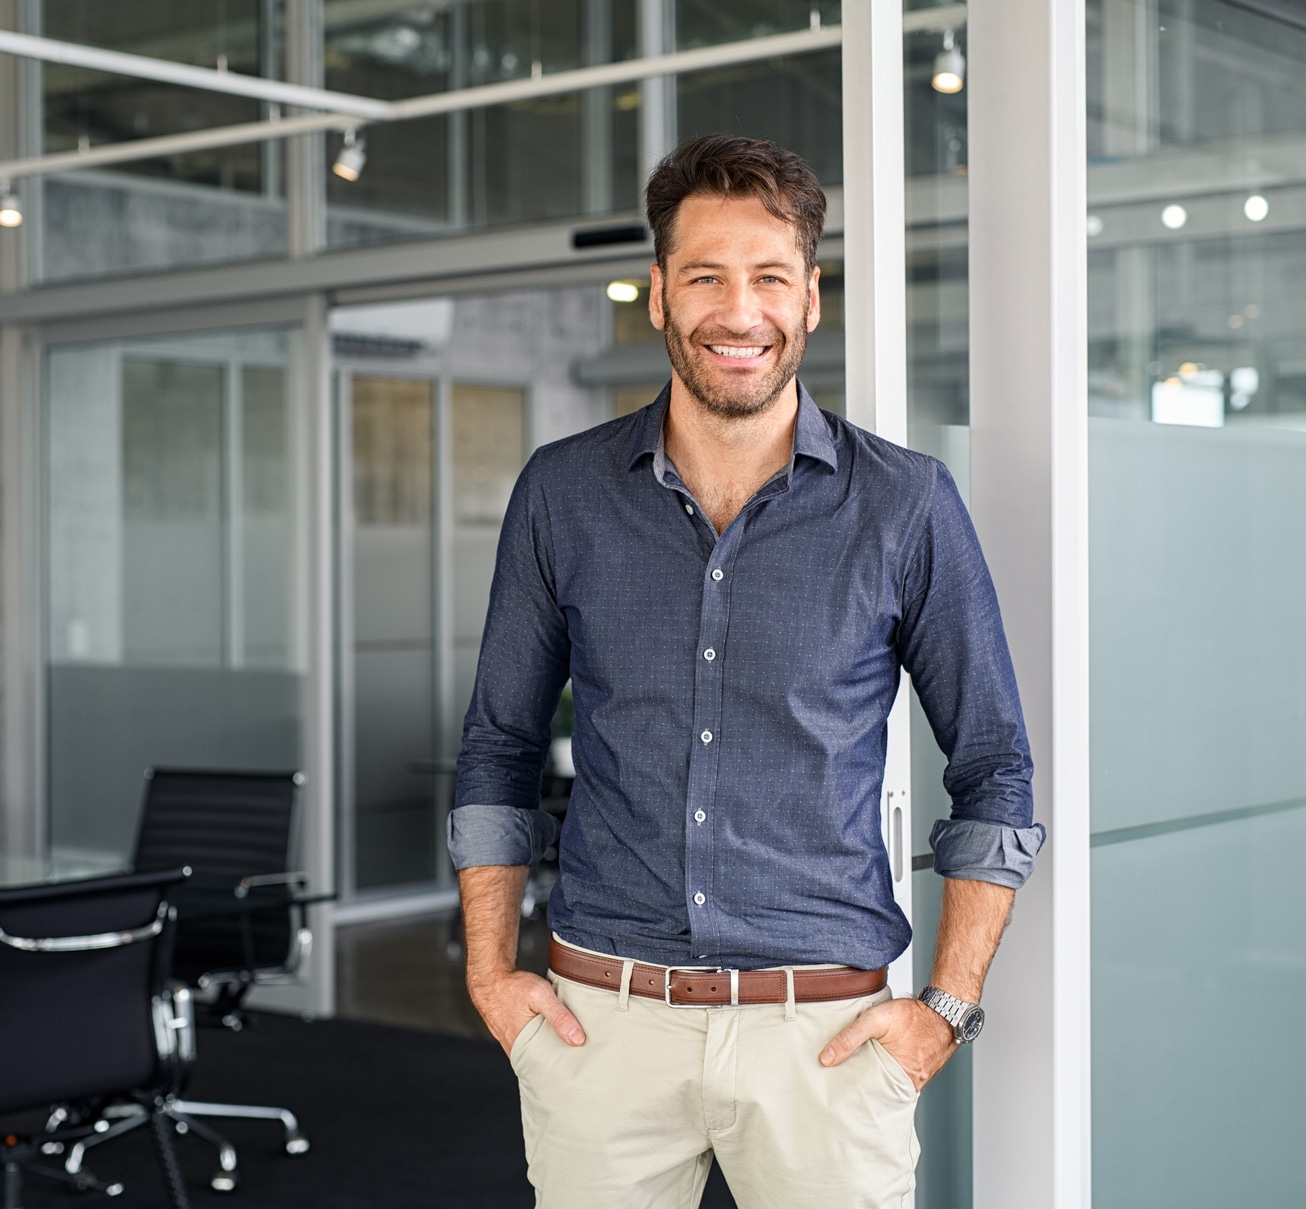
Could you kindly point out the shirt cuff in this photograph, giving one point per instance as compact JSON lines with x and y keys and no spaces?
{"x":986,"y":852}
{"x":499,"y":835}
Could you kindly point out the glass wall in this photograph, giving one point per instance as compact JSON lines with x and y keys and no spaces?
{"x":938,"y":423}
{"x":1197,"y":443}
{"x":556,"y":157}
{"x":174,"y":537}
{"x":444,"y":398}
{"x":192,"y":208}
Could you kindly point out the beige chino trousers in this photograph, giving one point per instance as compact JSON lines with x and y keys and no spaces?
{"x":631,"y":1119}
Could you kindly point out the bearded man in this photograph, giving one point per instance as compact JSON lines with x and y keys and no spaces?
{"x":733,"y":581}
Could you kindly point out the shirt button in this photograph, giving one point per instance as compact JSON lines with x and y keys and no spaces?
{"x":709,"y":654}
{"x":699,"y":816}
{"x":718,"y":575}
{"x":706,"y":736}
{"x":690,"y":509}
{"x":700,"y":898}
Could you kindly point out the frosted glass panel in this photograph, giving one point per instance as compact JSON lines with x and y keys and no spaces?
{"x":174,"y":593}
{"x":1198,"y":554}
{"x":1197,"y":550}
{"x":393,"y":533}
{"x":1199,"y":1052}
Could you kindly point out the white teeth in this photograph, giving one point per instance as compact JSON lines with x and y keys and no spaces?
{"x":729,"y":350}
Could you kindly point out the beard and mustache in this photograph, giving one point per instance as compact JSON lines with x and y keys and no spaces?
{"x":734,"y":396}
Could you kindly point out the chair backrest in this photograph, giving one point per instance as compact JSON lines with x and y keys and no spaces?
{"x":226,"y":826}
{"x":76,"y":1006}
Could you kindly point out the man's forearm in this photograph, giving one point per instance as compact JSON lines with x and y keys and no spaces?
{"x":506,"y":997}
{"x":492,"y":896}
{"x":974,"y":916}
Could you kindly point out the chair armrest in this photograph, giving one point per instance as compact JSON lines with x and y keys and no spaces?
{"x":86,"y":944}
{"x":246,"y":884}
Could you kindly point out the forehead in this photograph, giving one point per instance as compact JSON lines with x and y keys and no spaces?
{"x":712,"y":227}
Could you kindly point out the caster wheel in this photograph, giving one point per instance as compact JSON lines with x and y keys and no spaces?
{"x":224,"y":1181}
{"x":297,"y":1145}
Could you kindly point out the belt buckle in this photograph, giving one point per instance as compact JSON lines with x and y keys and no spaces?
{"x":734,"y":985}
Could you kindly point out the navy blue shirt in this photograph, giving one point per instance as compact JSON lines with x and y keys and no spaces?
{"x":732,"y":693}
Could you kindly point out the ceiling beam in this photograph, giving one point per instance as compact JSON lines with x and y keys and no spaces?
{"x":555,"y":83}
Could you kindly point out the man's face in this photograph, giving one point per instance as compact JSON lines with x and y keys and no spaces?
{"x":736,"y":304}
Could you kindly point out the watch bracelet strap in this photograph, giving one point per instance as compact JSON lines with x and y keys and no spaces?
{"x":948,"y":1006}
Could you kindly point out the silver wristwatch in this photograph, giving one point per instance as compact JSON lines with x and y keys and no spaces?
{"x":966,"y":1018}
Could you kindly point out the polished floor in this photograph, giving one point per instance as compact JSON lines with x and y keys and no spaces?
{"x":409,"y":972}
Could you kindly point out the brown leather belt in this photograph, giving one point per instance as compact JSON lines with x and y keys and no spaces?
{"x":703,"y":986}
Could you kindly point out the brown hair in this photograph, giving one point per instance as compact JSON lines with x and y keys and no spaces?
{"x":721,"y":165}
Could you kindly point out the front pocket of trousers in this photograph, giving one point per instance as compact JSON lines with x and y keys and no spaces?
{"x":523,"y":1041}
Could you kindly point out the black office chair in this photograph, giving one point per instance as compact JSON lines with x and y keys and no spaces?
{"x":242,"y":919}
{"x":85,"y":1013}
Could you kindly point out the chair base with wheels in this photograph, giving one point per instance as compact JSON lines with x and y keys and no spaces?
{"x":83,"y":965}
{"x":242,"y":923}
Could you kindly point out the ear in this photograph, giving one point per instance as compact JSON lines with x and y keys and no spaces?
{"x":655,"y":315}
{"x":813,"y":300}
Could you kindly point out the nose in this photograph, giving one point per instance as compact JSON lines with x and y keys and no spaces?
{"x":739,"y":311}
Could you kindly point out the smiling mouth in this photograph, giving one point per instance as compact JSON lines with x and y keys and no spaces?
{"x":740,"y":353}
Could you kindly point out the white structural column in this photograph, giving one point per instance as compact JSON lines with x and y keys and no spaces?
{"x":875,"y":330}
{"x":1029,"y":499}
{"x":874,"y":236}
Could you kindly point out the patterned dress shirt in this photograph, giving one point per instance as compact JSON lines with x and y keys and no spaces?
{"x":732,"y":693}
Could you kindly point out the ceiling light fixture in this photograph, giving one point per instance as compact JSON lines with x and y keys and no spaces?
{"x":1256,"y":208}
{"x":353,"y":155}
{"x":11,"y":209}
{"x":623,"y":291}
{"x":1173,"y":217}
{"x":949,"y":66}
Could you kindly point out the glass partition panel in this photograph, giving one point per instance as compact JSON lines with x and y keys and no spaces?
{"x":393,"y":582}
{"x":448,"y":397}
{"x":163,"y":211}
{"x":938,"y":423}
{"x":1197,"y":512}
{"x":552,"y":157}
{"x":174,"y":596}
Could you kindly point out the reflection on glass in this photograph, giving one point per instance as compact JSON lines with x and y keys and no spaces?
{"x":546,"y":158}
{"x":173,"y":531}
{"x":797,"y":102}
{"x":1197,"y":494}
{"x":489,"y":451}
{"x":134,"y":216}
{"x":394,"y":631}
{"x":172,"y":523}
{"x":709,"y":22}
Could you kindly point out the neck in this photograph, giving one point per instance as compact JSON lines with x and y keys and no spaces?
{"x":723,"y":460}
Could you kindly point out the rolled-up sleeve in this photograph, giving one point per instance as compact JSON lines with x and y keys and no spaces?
{"x":952,"y":644}
{"x":523,"y":665}
{"x":499,"y":835}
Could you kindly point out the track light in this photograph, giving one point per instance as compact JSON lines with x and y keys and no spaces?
{"x":11,"y":209}
{"x":353,"y":155}
{"x":949,"y":66}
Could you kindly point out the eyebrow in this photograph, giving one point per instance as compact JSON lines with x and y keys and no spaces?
{"x":695,"y":265}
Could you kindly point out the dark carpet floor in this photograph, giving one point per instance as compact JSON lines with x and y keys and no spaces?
{"x":398,"y":1119}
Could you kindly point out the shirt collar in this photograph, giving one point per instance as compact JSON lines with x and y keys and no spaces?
{"x":811,"y":433}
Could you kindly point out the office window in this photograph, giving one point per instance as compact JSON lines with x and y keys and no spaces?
{"x":174,"y":581}
{"x":168,"y":210}
{"x":1197,"y":495}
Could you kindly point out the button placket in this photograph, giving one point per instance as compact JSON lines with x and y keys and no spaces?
{"x":704,"y":763}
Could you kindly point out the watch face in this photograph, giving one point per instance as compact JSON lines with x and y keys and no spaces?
{"x":971,"y":1023}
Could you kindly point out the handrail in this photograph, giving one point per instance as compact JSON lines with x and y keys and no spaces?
{"x":87,"y":944}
